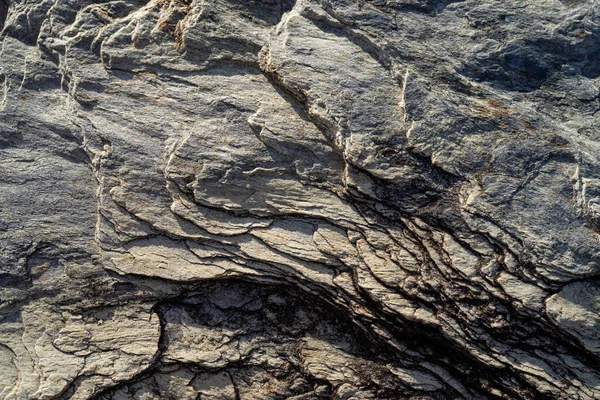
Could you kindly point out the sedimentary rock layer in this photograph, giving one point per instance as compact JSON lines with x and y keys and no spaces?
{"x":309,"y":199}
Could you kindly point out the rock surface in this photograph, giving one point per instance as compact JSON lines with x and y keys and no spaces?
{"x":299,"y":199}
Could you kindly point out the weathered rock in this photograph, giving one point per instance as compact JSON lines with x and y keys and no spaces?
{"x":227,"y":199}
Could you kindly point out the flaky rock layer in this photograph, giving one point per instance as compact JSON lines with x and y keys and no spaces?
{"x":310,"y":199}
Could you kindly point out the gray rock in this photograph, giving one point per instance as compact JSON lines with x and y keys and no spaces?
{"x":310,"y":199}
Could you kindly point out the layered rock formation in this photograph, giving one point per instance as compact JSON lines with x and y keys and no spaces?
{"x":309,"y":199}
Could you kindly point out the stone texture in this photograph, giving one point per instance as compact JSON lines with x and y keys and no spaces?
{"x":309,"y":199}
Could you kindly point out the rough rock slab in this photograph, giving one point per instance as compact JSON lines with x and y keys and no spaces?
{"x":299,"y":199}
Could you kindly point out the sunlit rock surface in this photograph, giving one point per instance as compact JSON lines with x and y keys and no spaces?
{"x":310,"y":199}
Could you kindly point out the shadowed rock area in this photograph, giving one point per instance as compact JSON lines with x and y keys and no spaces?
{"x":309,"y":199}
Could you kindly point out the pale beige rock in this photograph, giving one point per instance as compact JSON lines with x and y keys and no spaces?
{"x":576,"y":309}
{"x":299,"y":199}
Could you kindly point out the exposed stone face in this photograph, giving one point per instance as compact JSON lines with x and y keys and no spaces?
{"x":310,"y":199}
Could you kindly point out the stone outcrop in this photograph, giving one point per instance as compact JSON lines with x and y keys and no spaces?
{"x":309,"y":199}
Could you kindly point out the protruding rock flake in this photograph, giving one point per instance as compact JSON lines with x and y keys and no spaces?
{"x":299,"y":199}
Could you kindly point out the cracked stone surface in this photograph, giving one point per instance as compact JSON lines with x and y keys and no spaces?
{"x":299,"y":199}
